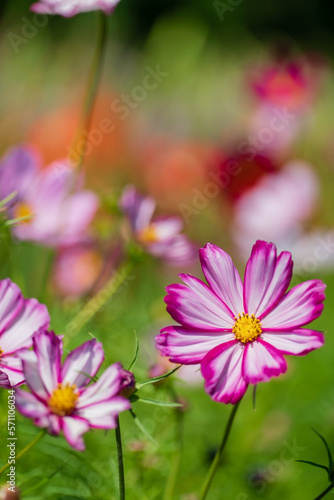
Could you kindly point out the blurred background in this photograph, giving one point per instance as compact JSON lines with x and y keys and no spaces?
{"x":223,"y":112}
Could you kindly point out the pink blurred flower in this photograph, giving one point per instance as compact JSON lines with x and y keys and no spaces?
{"x":237,"y":331}
{"x":59,"y":212}
{"x":69,"y":8}
{"x":276,"y":208}
{"x":285,"y":91}
{"x":159,"y":236}
{"x":77,"y":269}
{"x":20,"y":318}
{"x":60,"y":397}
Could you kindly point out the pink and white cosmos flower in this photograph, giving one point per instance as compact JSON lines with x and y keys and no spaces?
{"x":60,"y":397}
{"x":69,"y":8}
{"x":20,"y":318}
{"x":238,"y":332}
{"x":159,"y":236}
{"x":58,"y":211}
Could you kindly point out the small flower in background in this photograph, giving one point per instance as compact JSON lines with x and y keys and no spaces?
{"x":58,"y":212}
{"x":285,"y":90}
{"x":76,"y":269}
{"x":276,"y":208}
{"x":20,"y":318}
{"x":237,"y":331}
{"x":159,"y":236}
{"x":60,"y":397}
{"x":69,"y":8}
{"x":293,"y":83}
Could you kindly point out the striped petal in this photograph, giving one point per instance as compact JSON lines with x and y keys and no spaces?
{"x":222,"y":370}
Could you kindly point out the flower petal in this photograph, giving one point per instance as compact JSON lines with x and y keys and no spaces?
{"x":32,"y":374}
{"x":74,"y":428}
{"x":4,"y":380}
{"x":177,"y":251}
{"x":103,"y":415}
{"x":25,"y":321}
{"x":138,"y":208}
{"x":261,"y":362}
{"x":107,"y":386}
{"x":167,"y":227}
{"x":267,"y":278}
{"x":12,"y":366}
{"x":297,"y":342}
{"x":222,"y":276}
{"x":222,"y":370}
{"x":11,"y":303}
{"x":28,"y":404}
{"x":84,"y":360}
{"x":299,"y":306}
{"x":189,"y":346}
{"x":47,"y":347}
{"x":196,"y":306}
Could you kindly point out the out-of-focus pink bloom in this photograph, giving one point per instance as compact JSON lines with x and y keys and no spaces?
{"x":276,"y":208}
{"x":285,"y":91}
{"x":20,"y":318}
{"x":292,"y":84}
{"x":60,"y":397}
{"x":238,"y":332}
{"x":59,"y":212}
{"x":159,"y":236}
{"x":69,"y":8}
{"x":77,"y":269}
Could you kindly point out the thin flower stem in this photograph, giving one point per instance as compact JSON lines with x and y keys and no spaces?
{"x":99,"y":300}
{"x":121,"y":481}
{"x":324,"y":493}
{"x":216,"y":460}
{"x":24,"y":451}
{"x":92,"y":88}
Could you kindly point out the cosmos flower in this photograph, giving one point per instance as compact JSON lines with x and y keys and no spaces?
{"x":238,"y":332}
{"x":20,"y":318}
{"x":159,"y":236}
{"x":60,"y":397}
{"x":57,"y":211}
{"x":69,"y":8}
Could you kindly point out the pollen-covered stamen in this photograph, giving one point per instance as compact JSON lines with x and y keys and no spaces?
{"x":63,"y":400}
{"x":246,"y":328}
{"x":23,"y":209}
{"x":148,"y":234}
{"x":1,"y":352}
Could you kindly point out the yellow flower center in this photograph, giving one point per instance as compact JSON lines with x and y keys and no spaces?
{"x":148,"y":234}
{"x":23,"y":209}
{"x":246,"y":328}
{"x":1,"y":352}
{"x":63,"y":399}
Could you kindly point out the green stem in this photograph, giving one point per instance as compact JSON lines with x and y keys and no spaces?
{"x":120,"y":462}
{"x":214,"y":466}
{"x":99,"y":300}
{"x":92,"y":88}
{"x":24,"y":451}
{"x":324,"y":493}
